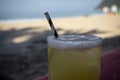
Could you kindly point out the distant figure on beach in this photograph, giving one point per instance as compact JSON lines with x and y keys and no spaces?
{"x":106,"y":10}
{"x":114,"y":9}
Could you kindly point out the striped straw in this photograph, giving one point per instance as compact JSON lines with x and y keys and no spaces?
{"x":51,"y":24}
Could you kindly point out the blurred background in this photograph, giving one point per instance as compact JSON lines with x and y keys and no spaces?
{"x":24,"y":29}
{"x":31,"y":9}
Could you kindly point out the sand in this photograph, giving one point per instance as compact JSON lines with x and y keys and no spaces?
{"x":101,"y":25}
{"x":23,"y":45}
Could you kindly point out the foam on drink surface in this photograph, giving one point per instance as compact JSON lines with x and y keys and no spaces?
{"x":74,"y":41}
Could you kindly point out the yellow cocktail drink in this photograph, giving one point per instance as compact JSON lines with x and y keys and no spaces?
{"x":74,"y":57}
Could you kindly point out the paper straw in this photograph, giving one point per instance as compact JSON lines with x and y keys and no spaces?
{"x":51,"y":24}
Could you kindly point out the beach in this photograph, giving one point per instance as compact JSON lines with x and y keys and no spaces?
{"x":102,"y":25}
{"x":23,"y":50}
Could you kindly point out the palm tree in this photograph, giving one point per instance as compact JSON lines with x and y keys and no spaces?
{"x":108,"y":3}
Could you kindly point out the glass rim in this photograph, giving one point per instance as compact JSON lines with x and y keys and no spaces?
{"x":74,"y":41}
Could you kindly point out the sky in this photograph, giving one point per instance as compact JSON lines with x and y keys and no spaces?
{"x":14,"y":9}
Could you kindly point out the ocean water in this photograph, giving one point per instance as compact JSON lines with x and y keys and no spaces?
{"x":31,"y":9}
